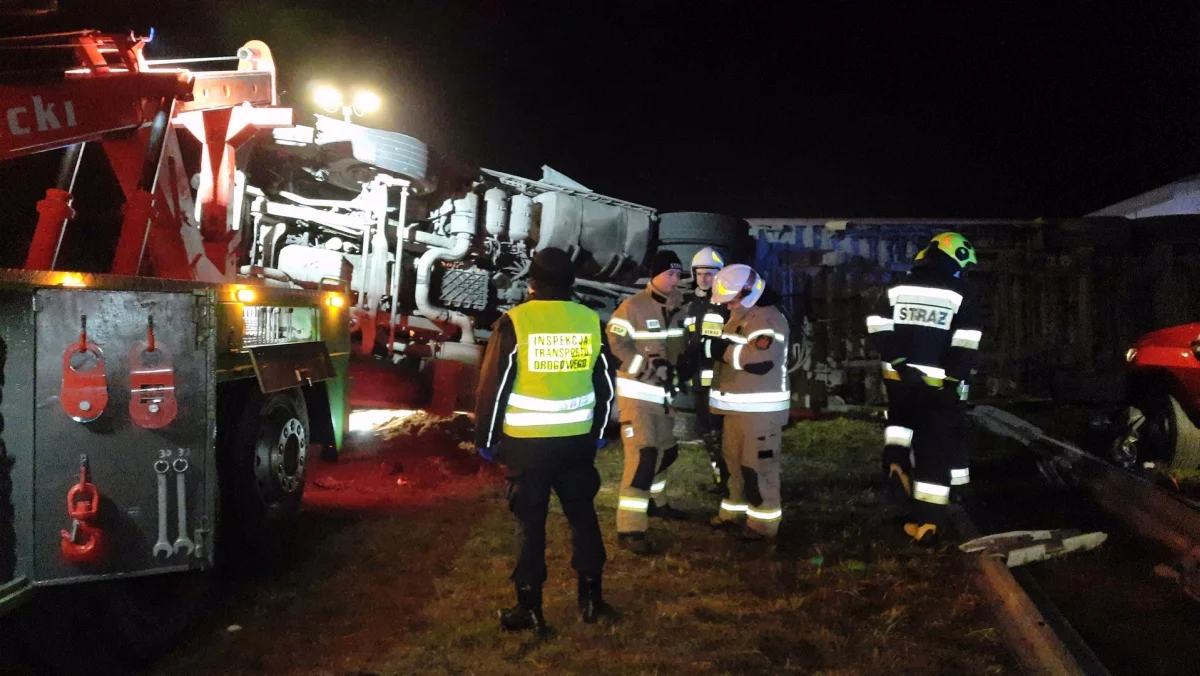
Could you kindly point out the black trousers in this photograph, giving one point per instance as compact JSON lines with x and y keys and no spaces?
{"x":576,"y":481}
{"x":709,"y":426}
{"x":936,"y":421}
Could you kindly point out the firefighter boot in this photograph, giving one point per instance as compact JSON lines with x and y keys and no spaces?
{"x":592,"y":605}
{"x":666,"y":512}
{"x":899,"y":485}
{"x":634,"y":542}
{"x":925,"y":534}
{"x":527,"y":614}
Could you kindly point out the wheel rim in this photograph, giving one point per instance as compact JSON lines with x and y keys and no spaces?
{"x":279,"y":467}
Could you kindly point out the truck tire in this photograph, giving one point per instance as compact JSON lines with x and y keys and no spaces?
{"x":696,"y":227}
{"x":1157,"y":429}
{"x":111,"y":627}
{"x":262,"y":474}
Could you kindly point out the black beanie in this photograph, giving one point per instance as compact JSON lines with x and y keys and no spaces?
{"x":664,"y":259}
{"x":552,"y":267}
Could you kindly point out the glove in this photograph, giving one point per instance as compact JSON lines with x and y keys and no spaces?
{"x":716,"y":347}
{"x":488,"y":453}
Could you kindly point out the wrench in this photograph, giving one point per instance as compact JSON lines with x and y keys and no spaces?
{"x":182,"y":542}
{"x":162,"y":546}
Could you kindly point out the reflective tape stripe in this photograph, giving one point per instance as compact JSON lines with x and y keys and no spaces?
{"x":711,"y":317}
{"x":968,"y":338}
{"x":935,"y":494}
{"x":550,"y":405}
{"x":512,"y":358}
{"x":708,"y":349}
{"x":764,"y":516}
{"x":634,"y":504}
{"x":706,"y":377}
{"x":644,"y":335}
{"x":737,"y":357}
{"x":734,"y":338}
{"x":635,"y":364}
{"x":875,"y":324}
{"x":760,"y":332}
{"x":926,"y":295}
{"x":959,"y":477}
{"x":621,"y":323}
{"x":632,"y":389}
{"x":750,"y":402}
{"x":931,"y":371}
{"x":531,"y":419}
{"x":658,"y":486}
{"x":689,"y":321}
{"x":733,"y":507}
{"x":894,"y":435}
{"x":674,"y":333}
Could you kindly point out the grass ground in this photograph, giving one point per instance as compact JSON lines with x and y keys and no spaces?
{"x":408,"y":580}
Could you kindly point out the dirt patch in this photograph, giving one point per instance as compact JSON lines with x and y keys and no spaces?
{"x":407,"y":578}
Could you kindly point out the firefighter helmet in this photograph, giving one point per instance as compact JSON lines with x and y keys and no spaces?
{"x":738,"y":282}
{"x":707,"y":258}
{"x":954,"y":245}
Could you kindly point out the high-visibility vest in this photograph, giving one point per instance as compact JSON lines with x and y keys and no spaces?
{"x":558,"y":343}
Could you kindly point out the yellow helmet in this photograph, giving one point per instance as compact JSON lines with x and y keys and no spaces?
{"x":954,"y":245}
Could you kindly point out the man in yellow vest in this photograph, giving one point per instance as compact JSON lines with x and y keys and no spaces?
{"x":647,"y":342}
{"x":750,"y":388}
{"x":543,"y":401}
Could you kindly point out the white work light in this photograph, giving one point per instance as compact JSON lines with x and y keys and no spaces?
{"x":366,"y":102}
{"x":328,"y":98}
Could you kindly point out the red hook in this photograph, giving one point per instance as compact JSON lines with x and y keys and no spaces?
{"x":84,"y":543}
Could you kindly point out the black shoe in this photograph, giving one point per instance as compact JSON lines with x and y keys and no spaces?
{"x":527,"y":614}
{"x":634,"y":542}
{"x":520,"y":618}
{"x":591,"y":602}
{"x":666,"y":512}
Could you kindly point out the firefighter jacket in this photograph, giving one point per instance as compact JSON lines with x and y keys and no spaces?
{"x":643,"y":334}
{"x":927,"y":327}
{"x":751,"y":372}
{"x":702,"y":318}
{"x":545,"y":377}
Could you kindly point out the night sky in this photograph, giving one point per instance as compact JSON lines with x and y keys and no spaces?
{"x":966,"y":109}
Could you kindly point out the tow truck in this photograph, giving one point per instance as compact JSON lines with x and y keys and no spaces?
{"x":160,"y":415}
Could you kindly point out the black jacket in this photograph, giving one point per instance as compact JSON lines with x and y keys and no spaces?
{"x":932,"y":317}
{"x":495,"y":385}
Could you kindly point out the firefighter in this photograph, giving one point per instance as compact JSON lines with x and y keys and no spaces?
{"x":927,"y":330}
{"x":750,"y":389}
{"x":544,"y":398}
{"x":647,"y":342}
{"x":702,"y":318}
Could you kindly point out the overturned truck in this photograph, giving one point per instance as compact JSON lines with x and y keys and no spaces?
{"x":434,"y":253}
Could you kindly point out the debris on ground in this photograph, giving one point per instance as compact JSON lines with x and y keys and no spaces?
{"x":1020,"y":547}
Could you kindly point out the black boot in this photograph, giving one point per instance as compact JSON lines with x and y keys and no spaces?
{"x":666,"y":512}
{"x":527,"y":614}
{"x":591,"y":602}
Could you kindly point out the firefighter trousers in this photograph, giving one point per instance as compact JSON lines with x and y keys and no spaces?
{"x":576,"y":483}
{"x":751,"y":445}
{"x":650,"y":449}
{"x":926,"y":436}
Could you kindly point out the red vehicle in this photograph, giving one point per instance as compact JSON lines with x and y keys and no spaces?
{"x":1159,"y":425}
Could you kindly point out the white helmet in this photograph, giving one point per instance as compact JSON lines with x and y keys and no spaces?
{"x":738,"y":282}
{"x":707,"y":258}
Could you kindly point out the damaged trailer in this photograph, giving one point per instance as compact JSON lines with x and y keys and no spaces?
{"x":1065,"y":298}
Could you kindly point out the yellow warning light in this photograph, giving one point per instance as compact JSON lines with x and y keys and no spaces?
{"x":335,"y":300}
{"x":245,"y":295}
{"x":72,"y":279}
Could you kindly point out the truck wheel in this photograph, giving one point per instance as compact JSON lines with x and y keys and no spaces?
{"x":716,"y":230}
{"x":110,"y":627}
{"x":262,"y":475}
